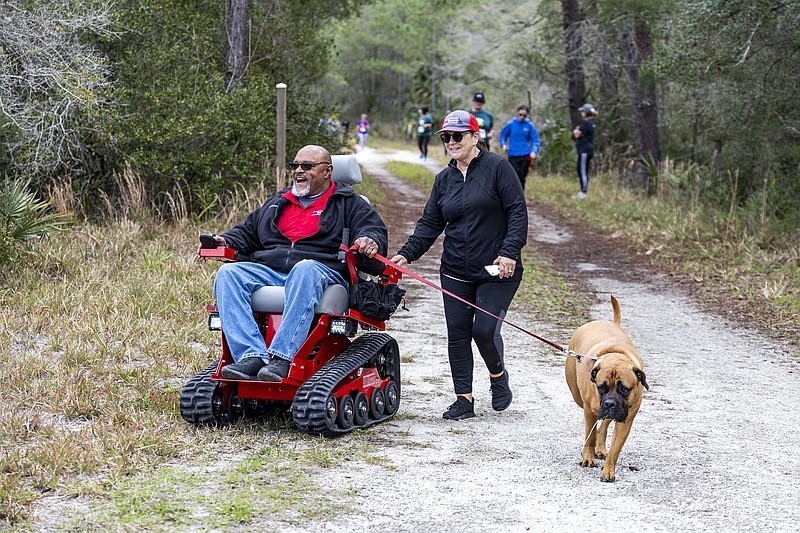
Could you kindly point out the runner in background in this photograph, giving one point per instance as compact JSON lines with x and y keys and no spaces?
{"x":424,"y":132}
{"x":520,"y":140}
{"x":362,"y":130}
{"x":485,"y":119}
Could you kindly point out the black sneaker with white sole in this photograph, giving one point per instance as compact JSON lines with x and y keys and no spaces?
{"x":461,"y":409}
{"x":501,"y":393}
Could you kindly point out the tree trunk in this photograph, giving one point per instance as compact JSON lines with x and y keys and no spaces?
{"x":576,"y":84}
{"x":638,"y":46}
{"x":236,"y":55}
{"x":695,"y":131}
{"x":400,"y":91}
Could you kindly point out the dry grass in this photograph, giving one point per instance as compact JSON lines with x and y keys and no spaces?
{"x":737,"y":260}
{"x":98,"y":333}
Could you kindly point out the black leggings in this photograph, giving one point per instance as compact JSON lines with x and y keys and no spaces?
{"x":584,"y":158}
{"x":465,"y":323}
{"x":520,"y":164}
{"x":422,"y":142}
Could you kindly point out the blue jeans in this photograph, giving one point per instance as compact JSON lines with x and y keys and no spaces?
{"x":304,"y":286}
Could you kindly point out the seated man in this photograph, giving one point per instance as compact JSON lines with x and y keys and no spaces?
{"x":293,"y":241}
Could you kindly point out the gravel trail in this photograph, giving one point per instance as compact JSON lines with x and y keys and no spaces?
{"x":708,"y":450}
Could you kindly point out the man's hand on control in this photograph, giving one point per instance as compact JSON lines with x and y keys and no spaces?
{"x":367,"y":246}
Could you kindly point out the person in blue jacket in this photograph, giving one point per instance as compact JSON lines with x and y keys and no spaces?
{"x":478,"y":203}
{"x":520,"y":140}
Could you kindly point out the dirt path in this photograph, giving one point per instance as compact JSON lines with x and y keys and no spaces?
{"x":710,"y":449}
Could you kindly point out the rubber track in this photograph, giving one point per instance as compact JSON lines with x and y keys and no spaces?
{"x":308,"y":409}
{"x":196,"y":398}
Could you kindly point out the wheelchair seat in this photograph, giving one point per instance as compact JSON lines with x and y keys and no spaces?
{"x":334,"y":300}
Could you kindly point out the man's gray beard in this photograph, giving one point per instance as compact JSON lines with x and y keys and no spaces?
{"x":300,"y":193}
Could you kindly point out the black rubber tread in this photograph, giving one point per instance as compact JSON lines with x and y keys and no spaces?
{"x":196,"y":397}
{"x":308,"y":408}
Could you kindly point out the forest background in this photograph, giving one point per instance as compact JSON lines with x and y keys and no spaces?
{"x":699,"y":93}
{"x":134,"y":124}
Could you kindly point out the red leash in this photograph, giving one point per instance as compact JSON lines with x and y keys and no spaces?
{"x":448,"y":293}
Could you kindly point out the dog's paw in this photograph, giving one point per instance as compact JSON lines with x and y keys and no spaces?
{"x":588,"y":461}
{"x":600,"y":454}
{"x":608,"y":475}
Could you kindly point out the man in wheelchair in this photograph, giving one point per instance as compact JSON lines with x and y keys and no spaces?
{"x":293,"y":241}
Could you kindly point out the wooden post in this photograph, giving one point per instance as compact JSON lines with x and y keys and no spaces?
{"x":280,"y":139}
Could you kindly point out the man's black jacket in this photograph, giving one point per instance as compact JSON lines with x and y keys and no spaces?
{"x":259,"y":237}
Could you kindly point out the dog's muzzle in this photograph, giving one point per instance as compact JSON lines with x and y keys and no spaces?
{"x":613,"y":408}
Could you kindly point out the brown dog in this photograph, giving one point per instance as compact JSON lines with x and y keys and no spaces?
{"x":609,"y":387}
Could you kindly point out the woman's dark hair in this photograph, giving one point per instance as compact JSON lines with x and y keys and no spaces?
{"x":481,"y":144}
{"x":424,"y":110}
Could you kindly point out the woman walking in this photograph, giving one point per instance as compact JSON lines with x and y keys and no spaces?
{"x":479,"y":204}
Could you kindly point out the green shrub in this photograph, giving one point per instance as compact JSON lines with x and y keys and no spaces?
{"x":557,"y":154}
{"x":180,"y":127}
{"x":23,"y":218}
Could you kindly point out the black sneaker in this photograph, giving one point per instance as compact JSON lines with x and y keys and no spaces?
{"x":461,"y":409}
{"x":247,"y":368}
{"x":501,"y":393}
{"x":276,"y":370}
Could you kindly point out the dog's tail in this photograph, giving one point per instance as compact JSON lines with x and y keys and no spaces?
{"x":615,"y":305}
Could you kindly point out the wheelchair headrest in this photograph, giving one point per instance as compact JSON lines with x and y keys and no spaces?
{"x":345,"y":169}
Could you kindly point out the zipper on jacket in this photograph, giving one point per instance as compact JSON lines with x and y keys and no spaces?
{"x":288,"y":256}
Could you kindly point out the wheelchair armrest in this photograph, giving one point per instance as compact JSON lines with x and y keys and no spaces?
{"x":221,"y":253}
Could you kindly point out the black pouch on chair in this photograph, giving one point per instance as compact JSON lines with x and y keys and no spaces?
{"x":375,"y":300}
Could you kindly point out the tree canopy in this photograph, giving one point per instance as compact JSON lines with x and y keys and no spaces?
{"x":183,"y":92}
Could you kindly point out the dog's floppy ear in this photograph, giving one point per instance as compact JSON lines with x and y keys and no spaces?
{"x":595,"y":370}
{"x":642,"y":378}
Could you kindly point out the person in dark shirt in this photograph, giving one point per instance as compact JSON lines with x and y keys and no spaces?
{"x":293,"y":241}
{"x":584,"y":144}
{"x":424,"y":132}
{"x":479,"y":204}
{"x":485,"y":119}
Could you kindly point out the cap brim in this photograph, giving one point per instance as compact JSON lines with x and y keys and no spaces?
{"x":456,"y":128}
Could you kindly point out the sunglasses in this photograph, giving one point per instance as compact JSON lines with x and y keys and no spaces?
{"x":294,"y":165}
{"x":523,"y":115}
{"x":457,"y":137}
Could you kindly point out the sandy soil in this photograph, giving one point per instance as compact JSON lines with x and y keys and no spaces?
{"x":710,"y":449}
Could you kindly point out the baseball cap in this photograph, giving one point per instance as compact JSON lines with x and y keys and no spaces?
{"x":479,"y":97}
{"x":587,"y":108}
{"x":459,"y":121}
